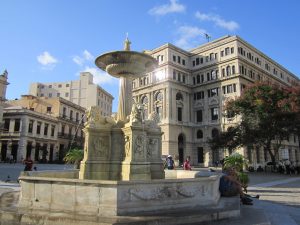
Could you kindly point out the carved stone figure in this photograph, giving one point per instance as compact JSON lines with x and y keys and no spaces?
{"x":136,"y":115}
{"x":139,"y":145}
{"x":151,"y":146}
{"x":100,"y":147}
{"x":127,"y":146}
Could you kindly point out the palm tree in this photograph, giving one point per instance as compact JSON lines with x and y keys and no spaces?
{"x":74,"y":156}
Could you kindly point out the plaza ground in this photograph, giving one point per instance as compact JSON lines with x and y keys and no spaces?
{"x":279,"y":202}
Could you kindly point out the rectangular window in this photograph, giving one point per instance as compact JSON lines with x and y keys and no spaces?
{"x":201,"y":60}
{"x":52,"y":130}
{"x":50,"y":95}
{"x":30,"y":126}
{"x":214,"y":113}
{"x":174,"y":75}
{"x":199,"y":95}
{"x":46,"y":129}
{"x":197,"y":61}
{"x":183,"y":78}
{"x":232,"y":50}
{"x":183,"y":62}
{"x":194,"y":63}
{"x":199,"y":116}
{"x":49,"y":109}
{"x":59,"y":85}
{"x":38,"y":127}
{"x":174,"y":58}
{"x":57,"y":94}
{"x":64,"y":112}
{"x":222,"y":53}
{"x":178,"y":59}
{"x":179,"y":114}
{"x":50,"y":86}
{"x":226,"y":51}
{"x":67,"y":94}
{"x":67,"y":85}
{"x":17,"y":125}
{"x":71,"y":115}
{"x":6,"y":124}
{"x":200,"y":155}
{"x":212,"y":92}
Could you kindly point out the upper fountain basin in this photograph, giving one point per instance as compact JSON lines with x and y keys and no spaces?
{"x":128,"y":64}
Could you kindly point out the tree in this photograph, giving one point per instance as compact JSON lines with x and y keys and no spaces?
{"x":269,"y":115}
{"x":74,"y":156}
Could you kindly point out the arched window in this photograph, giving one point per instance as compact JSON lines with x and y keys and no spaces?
{"x":214,"y":133}
{"x":159,"y":96}
{"x":228,"y":71}
{"x":179,"y":96}
{"x":199,"y":134}
{"x":233,"y":69}
{"x":145,"y":100}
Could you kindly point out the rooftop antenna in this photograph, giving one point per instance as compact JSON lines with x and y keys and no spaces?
{"x":207,"y":37}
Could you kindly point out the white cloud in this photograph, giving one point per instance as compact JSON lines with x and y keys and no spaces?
{"x":100,"y":77}
{"x":228,"y":25}
{"x":46,"y":59}
{"x":190,"y":37}
{"x":162,"y":10}
{"x":78,"y":60}
{"x":85,"y":57}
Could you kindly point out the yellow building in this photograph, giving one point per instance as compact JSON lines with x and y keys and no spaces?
{"x":40,"y":127}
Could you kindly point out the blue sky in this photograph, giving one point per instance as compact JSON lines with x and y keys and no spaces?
{"x":53,"y":40}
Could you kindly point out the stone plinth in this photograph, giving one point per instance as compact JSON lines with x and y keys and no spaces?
{"x":117,"y":198}
{"x":97,"y":162}
{"x":142,"y":148}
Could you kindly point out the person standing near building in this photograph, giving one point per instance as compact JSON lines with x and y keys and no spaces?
{"x":170,"y":163}
{"x":187,"y":164}
{"x":28,"y":164}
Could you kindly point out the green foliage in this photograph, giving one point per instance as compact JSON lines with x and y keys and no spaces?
{"x":74,"y":156}
{"x":244,"y":180}
{"x":267,"y":113}
{"x":236,"y":161}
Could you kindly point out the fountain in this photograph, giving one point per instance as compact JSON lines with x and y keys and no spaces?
{"x":121,"y":178}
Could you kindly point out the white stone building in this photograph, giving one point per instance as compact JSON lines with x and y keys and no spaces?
{"x":82,"y":92}
{"x":189,"y":89}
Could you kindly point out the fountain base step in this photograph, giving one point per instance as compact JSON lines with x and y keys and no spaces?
{"x":227,"y":208}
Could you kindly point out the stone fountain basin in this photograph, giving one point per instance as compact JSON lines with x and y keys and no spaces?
{"x":129,"y":64}
{"x":58,"y":191}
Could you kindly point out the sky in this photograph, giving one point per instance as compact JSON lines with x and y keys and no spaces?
{"x":55,"y":40}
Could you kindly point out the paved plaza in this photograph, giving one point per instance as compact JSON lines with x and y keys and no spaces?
{"x":279,"y":202}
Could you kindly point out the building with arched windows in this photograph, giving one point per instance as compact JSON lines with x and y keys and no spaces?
{"x":189,"y":89}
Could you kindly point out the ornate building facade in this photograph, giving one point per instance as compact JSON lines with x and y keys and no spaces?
{"x":42,"y":128}
{"x":189,"y":89}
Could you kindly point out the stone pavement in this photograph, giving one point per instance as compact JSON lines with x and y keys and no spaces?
{"x":279,"y":202}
